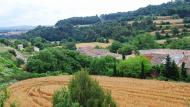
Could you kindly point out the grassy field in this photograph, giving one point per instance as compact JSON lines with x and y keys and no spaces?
{"x":127,"y":92}
{"x":3,"y":48}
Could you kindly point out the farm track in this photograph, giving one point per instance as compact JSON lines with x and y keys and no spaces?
{"x":126,"y":91}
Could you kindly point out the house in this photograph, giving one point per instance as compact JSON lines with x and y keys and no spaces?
{"x":158,"y":56}
{"x":36,"y":49}
{"x":90,"y":51}
{"x":20,"y":47}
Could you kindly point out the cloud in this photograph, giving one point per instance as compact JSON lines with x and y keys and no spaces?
{"x":47,"y":12}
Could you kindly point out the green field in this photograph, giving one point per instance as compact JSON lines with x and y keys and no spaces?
{"x":3,"y":48}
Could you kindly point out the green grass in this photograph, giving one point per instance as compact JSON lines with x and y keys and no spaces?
{"x":4,"y":94}
{"x":3,"y":49}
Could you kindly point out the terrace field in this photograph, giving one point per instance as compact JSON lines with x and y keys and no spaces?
{"x":127,"y":92}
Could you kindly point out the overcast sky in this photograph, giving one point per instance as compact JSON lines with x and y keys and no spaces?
{"x":48,"y":12}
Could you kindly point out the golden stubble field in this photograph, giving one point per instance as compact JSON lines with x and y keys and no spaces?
{"x":127,"y":92}
{"x":94,"y":44}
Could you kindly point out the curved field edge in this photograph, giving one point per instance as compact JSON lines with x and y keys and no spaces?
{"x":127,"y":92}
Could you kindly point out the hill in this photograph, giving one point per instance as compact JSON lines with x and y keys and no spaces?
{"x":110,"y":26}
{"x":16,"y":28}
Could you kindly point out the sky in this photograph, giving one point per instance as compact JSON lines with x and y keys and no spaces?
{"x":48,"y":12}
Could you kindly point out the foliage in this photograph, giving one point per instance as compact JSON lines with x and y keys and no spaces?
{"x":19,"y":62}
{"x":57,"y":60}
{"x":115,"y":46}
{"x":132,"y":67}
{"x":175,"y":31}
{"x":103,"y":66}
{"x":12,"y":52}
{"x":142,"y":75}
{"x":175,"y":72}
{"x":170,"y":69}
{"x":69,"y":45}
{"x":183,"y":43}
{"x":166,"y":9}
{"x":4,"y":94}
{"x":127,"y":49}
{"x":83,"y":92}
{"x":79,"y":21}
{"x":144,"y":42}
{"x":186,"y":20}
{"x":183,"y":71}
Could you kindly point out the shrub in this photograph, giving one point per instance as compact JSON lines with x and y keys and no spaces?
{"x":83,"y":92}
{"x":132,"y":66}
{"x":103,"y":66}
{"x":3,"y":96}
{"x":11,"y":51}
{"x":57,"y":60}
{"x":187,"y":79}
{"x":115,"y":46}
{"x":19,"y":62}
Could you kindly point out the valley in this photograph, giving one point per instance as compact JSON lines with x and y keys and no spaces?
{"x":139,"y":58}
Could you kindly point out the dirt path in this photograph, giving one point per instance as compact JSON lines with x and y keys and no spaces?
{"x":127,"y":92}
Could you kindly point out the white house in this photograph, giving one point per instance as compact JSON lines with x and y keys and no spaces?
{"x":36,"y":49}
{"x":20,"y":47}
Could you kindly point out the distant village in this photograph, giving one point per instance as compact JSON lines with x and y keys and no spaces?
{"x":156,"y":56}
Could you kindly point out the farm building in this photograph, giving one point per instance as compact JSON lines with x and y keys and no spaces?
{"x":158,"y":56}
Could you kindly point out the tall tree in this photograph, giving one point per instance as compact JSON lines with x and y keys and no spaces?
{"x":126,"y":50}
{"x":115,"y":68}
{"x":142,"y":75}
{"x":183,"y":71}
{"x":174,"y":73}
{"x":167,"y":67}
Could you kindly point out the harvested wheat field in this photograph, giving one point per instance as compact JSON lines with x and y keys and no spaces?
{"x":126,"y":91}
{"x":94,"y":44}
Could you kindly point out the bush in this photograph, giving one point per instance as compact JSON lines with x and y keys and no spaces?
{"x":57,"y":60}
{"x":83,"y":92}
{"x":115,"y":46}
{"x":162,"y":78}
{"x":3,"y":96}
{"x":12,"y":52}
{"x":19,"y":62}
{"x":187,"y":79}
{"x":103,"y":66}
{"x":132,"y":66}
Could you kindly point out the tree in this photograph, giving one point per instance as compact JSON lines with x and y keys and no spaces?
{"x":175,"y":31}
{"x":126,"y":50}
{"x":83,"y":92}
{"x":145,"y":41}
{"x":132,"y":67}
{"x":183,"y":71}
{"x":54,"y":59}
{"x":174,"y":71}
{"x":158,"y":35}
{"x":115,"y":68}
{"x":171,"y":70}
{"x":142,"y":71}
{"x":167,"y":70}
{"x":103,"y":66}
{"x":115,"y":46}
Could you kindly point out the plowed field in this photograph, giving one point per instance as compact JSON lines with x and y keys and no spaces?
{"x":126,"y":91}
